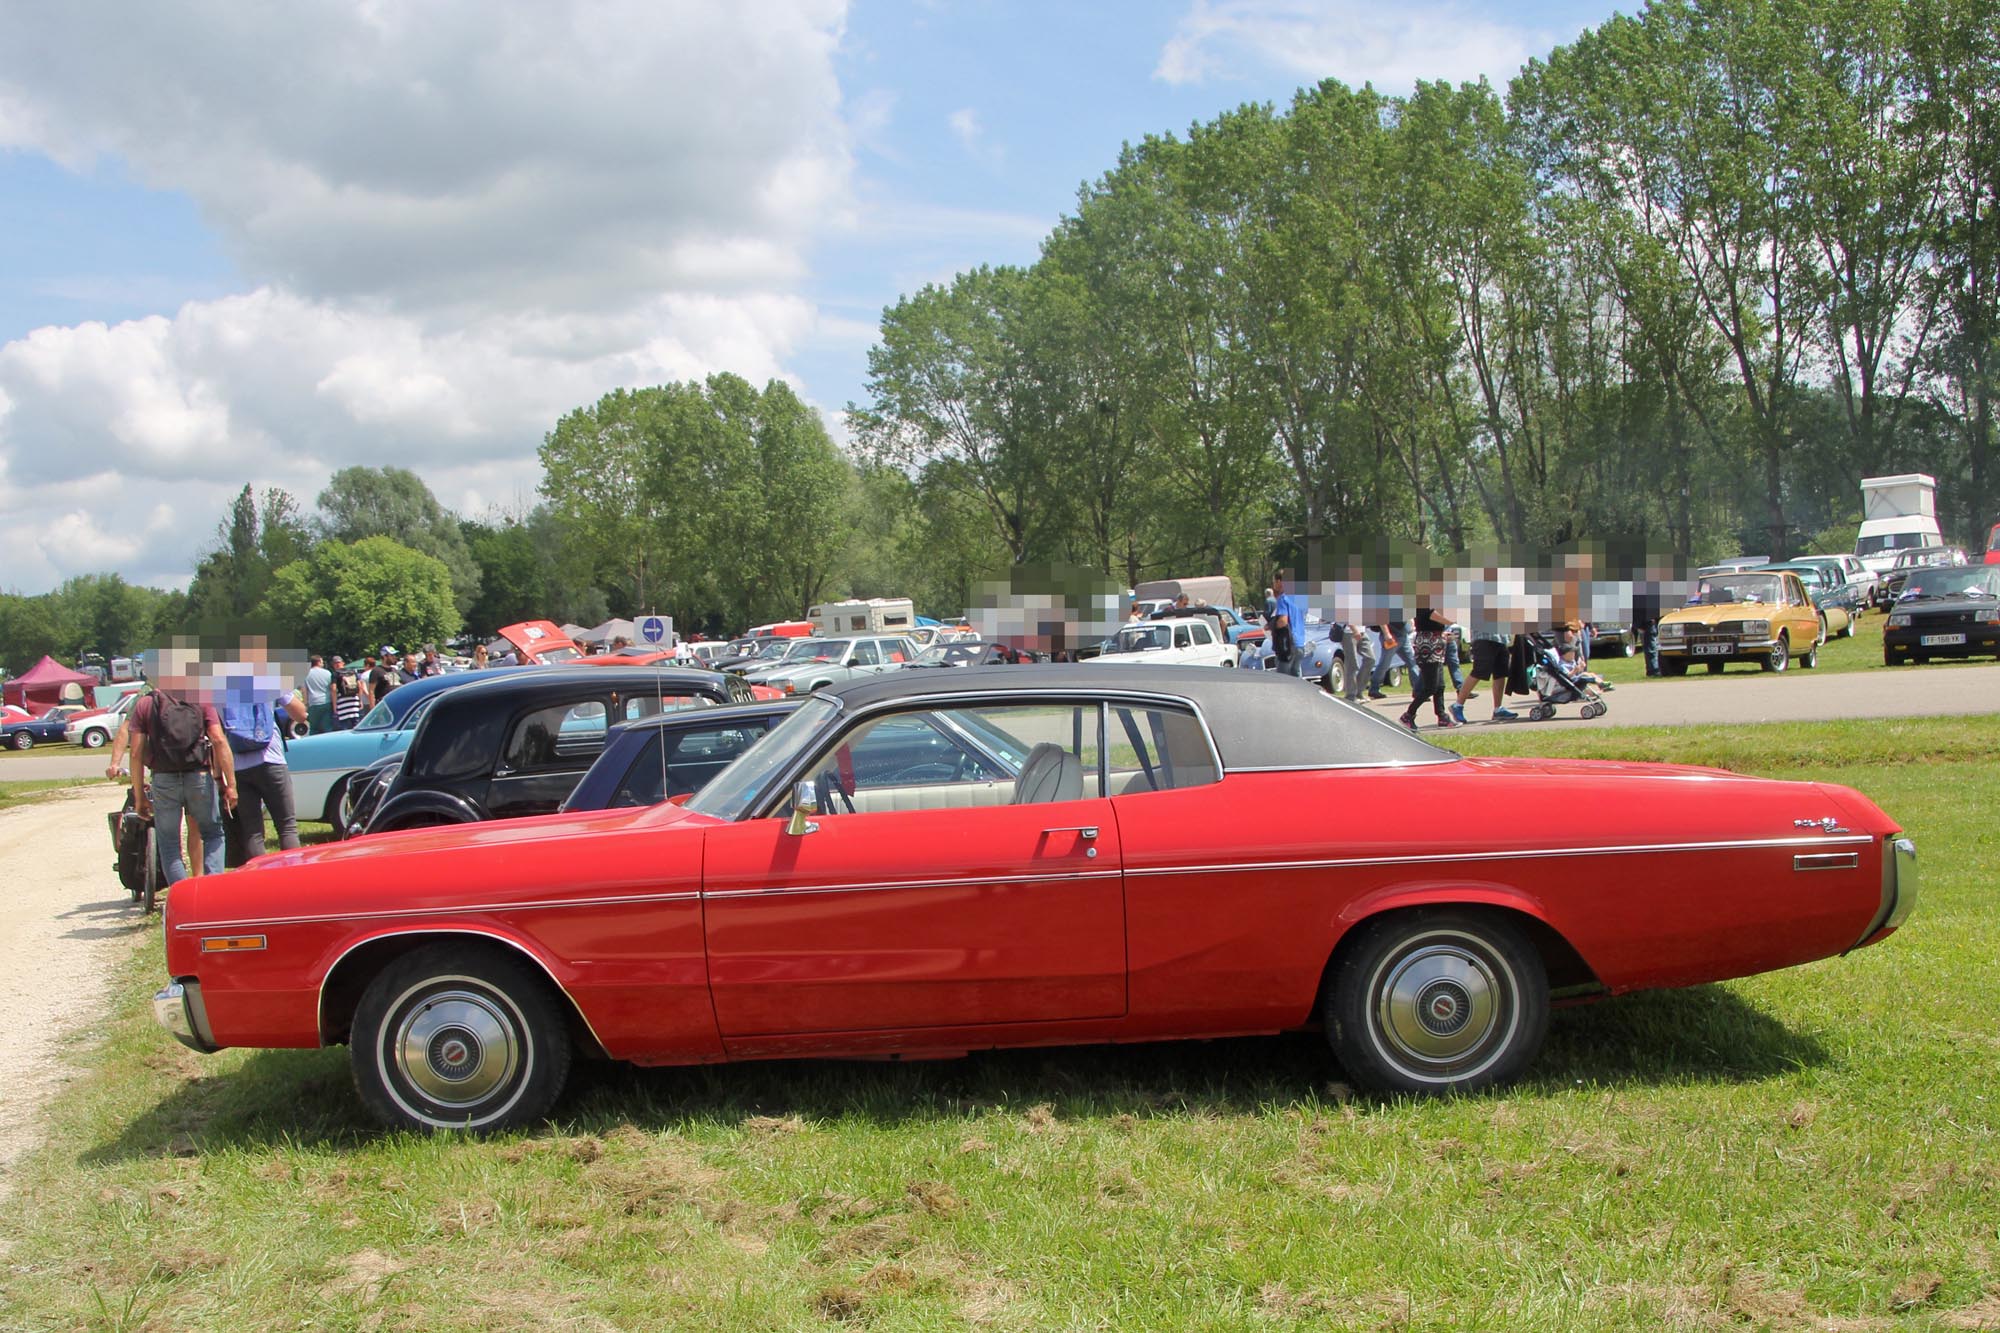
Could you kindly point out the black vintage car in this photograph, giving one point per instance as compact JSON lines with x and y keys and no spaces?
{"x":1945,"y":611}
{"x":518,"y":744}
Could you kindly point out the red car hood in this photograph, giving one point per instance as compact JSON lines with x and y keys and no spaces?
{"x":514,"y":834}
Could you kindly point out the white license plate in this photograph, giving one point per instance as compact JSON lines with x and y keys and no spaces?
{"x":1942,"y":640}
{"x":1713,"y":649}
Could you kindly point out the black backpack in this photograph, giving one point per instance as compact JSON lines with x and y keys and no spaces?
{"x":178,"y":740}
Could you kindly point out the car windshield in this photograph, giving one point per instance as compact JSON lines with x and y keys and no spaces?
{"x":1884,"y":542}
{"x":1141,"y":638}
{"x":944,"y":654}
{"x":550,"y":656}
{"x":1726,"y":589}
{"x":1953,"y":581}
{"x":737,"y":788}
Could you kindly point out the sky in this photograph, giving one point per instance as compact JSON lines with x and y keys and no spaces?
{"x":254,"y":244}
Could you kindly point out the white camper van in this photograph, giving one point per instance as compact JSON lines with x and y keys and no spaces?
{"x":876,"y":615}
{"x":1897,"y":513}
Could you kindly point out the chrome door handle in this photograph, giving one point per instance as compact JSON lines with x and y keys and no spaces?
{"x":1087,"y":832}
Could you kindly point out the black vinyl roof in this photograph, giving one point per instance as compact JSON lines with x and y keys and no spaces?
{"x":526,"y":682}
{"x":1259,"y":719}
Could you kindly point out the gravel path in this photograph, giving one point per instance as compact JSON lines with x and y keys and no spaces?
{"x":1742,"y":697}
{"x":65,"y":925}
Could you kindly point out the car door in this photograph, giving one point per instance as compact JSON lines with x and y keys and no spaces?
{"x":925,"y":896}
{"x":545,"y":753}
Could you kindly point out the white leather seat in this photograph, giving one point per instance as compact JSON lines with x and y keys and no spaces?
{"x":1050,"y":774}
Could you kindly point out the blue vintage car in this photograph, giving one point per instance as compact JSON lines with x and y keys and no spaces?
{"x":1322,"y":657}
{"x":26,"y":733}
{"x":321,"y":765}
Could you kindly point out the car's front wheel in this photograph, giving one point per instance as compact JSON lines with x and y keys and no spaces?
{"x":95,"y":739}
{"x":1436,"y":1000}
{"x":459,"y":1036}
{"x":1781,"y":654}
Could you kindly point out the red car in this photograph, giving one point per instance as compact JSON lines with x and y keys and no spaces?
{"x":926,"y":863}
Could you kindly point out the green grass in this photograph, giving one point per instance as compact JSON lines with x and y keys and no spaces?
{"x":33,"y":789}
{"x":1812,"y":1148}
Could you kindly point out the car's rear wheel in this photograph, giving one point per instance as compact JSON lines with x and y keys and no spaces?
{"x":1781,"y":654}
{"x":1436,"y":1000}
{"x":24,"y":740}
{"x":459,"y":1037}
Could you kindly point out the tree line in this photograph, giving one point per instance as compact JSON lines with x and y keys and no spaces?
{"x":1684,"y":284}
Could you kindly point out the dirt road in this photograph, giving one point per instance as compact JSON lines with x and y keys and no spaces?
{"x":65,"y":925}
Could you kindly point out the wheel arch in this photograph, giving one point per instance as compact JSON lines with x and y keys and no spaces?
{"x":1569,"y":973}
{"x":361,"y":962}
{"x":404,"y":805}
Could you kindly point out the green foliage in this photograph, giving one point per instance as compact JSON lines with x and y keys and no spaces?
{"x":354,"y":596}
{"x":361,"y":502}
{"x":714,"y":501}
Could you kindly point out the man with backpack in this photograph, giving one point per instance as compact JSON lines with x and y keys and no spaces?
{"x":179,"y":739}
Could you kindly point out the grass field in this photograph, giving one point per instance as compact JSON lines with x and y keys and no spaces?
{"x":33,"y":789}
{"x":1810,"y":1149}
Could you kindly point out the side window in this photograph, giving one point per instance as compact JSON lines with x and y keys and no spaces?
{"x":560,"y":736}
{"x":1155,"y":749}
{"x":1181,"y":639}
{"x":899,"y":650}
{"x":864,"y":654}
{"x":962,"y":758}
{"x":648,"y":705}
{"x":1203,"y":634}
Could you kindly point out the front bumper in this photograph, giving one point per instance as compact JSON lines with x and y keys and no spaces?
{"x":1908,"y":639}
{"x":178,"y":1009}
{"x":1899,"y":889}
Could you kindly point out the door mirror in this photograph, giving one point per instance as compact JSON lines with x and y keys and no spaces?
{"x":805,"y":804}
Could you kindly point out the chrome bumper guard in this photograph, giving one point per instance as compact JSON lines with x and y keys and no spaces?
{"x":1899,"y":868}
{"x":177,"y":1008}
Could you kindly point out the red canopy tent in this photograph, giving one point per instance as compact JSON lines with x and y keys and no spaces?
{"x":40,"y":687}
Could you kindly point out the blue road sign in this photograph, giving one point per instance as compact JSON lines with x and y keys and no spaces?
{"x":653,"y":629}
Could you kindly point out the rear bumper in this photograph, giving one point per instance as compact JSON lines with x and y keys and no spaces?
{"x":178,"y":1009}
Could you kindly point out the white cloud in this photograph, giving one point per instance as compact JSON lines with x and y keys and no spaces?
{"x":971,"y":136}
{"x":460,"y":222}
{"x":453,"y":151}
{"x":1391,"y":46}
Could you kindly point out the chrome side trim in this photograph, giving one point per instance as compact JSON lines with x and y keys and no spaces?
{"x":1520,"y":854}
{"x":319,"y":1002}
{"x":1827,"y":861}
{"x":956,"y":881}
{"x":390,"y":914}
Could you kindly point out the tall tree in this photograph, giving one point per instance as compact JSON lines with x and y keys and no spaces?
{"x":361,"y":502}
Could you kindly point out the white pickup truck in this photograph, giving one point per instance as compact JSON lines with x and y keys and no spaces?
{"x":1180,"y":641}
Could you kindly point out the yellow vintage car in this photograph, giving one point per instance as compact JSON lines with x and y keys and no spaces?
{"x":1755,"y":615}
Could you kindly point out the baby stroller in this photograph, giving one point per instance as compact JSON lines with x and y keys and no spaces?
{"x":1554,"y":684}
{"x":139,"y":866}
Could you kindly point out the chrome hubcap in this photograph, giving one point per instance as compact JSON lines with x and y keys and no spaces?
{"x":1441,"y":1007}
{"x":457,"y":1047}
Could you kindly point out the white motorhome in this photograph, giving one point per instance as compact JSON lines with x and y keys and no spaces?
{"x":876,"y":615}
{"x":1897,"y":513}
